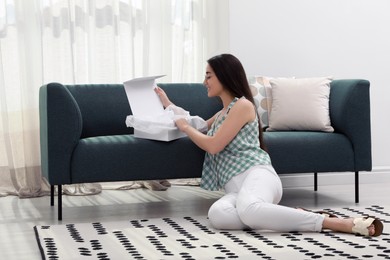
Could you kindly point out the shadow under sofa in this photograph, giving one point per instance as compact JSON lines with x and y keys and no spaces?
{"x":84,"y":138}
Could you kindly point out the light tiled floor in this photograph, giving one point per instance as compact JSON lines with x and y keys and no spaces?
{"x":18,"y":216}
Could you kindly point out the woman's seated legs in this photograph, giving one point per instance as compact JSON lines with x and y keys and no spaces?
{"x":257,"y":205}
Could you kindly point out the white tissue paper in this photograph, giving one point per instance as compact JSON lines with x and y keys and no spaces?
{"x":162,"y":127}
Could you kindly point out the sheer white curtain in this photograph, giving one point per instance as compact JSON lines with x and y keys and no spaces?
{"x":86,"y":41}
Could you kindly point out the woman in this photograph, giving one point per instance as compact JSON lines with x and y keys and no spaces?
{"x":236,"y":161}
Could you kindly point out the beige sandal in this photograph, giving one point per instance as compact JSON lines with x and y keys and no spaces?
{"x":361,"y":226}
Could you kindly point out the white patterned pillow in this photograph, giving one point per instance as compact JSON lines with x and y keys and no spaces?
{"x":300,"y":104}
{"x":262,"y":95}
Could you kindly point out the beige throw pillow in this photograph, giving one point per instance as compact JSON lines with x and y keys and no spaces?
{"x":300,"y":104}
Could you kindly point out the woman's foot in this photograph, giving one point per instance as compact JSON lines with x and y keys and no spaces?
{"x":367,"y":226}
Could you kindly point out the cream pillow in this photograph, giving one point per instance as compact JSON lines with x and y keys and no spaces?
{"x":300,"y":104}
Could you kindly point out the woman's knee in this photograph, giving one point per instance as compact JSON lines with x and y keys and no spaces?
{"x":217,"y":215}
{"x":251,"y":213}
{"x":224,"y":216}
{"x":214,"y":216}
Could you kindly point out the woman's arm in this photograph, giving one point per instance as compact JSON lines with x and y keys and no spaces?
{"x":211,"y":120}
{"x":239,"y":115}
{"x":166,"y":102}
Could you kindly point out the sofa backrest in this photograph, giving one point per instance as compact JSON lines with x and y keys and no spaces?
{"x":104,"y":107}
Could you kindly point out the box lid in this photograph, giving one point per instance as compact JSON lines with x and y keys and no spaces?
{"x":142,"y":98}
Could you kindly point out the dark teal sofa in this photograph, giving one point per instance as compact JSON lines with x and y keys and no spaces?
{"x":84,"y":138}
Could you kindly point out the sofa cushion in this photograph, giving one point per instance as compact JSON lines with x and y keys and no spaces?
{"x":300,"y":104}
{"x":306,"y":151}
{"x":110,"y":158}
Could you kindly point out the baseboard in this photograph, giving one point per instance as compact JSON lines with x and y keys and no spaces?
{"x":379,"y":174}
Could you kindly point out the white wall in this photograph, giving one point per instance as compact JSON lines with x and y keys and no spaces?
{"x":303,"y":38}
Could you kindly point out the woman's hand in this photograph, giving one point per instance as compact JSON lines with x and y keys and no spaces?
{"x":182,"y":124}
{"x":163,"y":96}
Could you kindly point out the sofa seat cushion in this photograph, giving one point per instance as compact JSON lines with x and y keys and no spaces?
{"x":110,"y":158}
{"x":305,"y":151}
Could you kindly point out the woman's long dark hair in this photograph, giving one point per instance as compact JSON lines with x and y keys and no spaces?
{"x":231,"y":74}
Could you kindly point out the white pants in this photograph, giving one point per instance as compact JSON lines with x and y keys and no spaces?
{"x":251,"y":202}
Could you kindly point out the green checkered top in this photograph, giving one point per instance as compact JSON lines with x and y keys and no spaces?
{"x":239,"y":155}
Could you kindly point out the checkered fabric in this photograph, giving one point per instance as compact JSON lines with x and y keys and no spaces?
{"x":242,"y":153}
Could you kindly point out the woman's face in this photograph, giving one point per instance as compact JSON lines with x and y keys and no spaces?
{"x":211,"y":82}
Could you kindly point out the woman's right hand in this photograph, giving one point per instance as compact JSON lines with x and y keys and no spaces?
{"x":182,"y":124}
{"x":163,"y":96}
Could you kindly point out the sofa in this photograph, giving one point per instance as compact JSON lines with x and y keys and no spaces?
{"x":84,"y":138}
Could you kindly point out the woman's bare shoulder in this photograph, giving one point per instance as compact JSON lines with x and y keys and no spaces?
{"x":244,"y":109}
{"x":244,"y":104}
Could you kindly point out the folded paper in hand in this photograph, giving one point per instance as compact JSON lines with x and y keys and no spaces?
{"x":149,"y":119}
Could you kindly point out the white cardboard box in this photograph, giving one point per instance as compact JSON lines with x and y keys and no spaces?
{"x":144,"y":102}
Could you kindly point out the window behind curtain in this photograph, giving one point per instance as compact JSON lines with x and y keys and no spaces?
{"x":85,"y":41}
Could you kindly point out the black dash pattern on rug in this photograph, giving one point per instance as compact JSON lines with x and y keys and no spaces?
{"x":193,"y":238}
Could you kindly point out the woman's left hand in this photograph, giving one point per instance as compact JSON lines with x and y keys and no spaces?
{"x":182,"y":124}
{"x":163,"y":96}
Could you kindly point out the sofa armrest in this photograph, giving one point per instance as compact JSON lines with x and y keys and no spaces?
{"x":350,"y":114}
{"x":60,"y":131}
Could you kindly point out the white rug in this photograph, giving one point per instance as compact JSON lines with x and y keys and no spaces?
{"x":193,"y":238}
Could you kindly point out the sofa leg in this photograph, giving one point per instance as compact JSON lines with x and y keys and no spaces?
{"x":59,"y":202}
{"x":315,"y":181}
{"x":52,"y":188}
{"x":356,"y":187}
